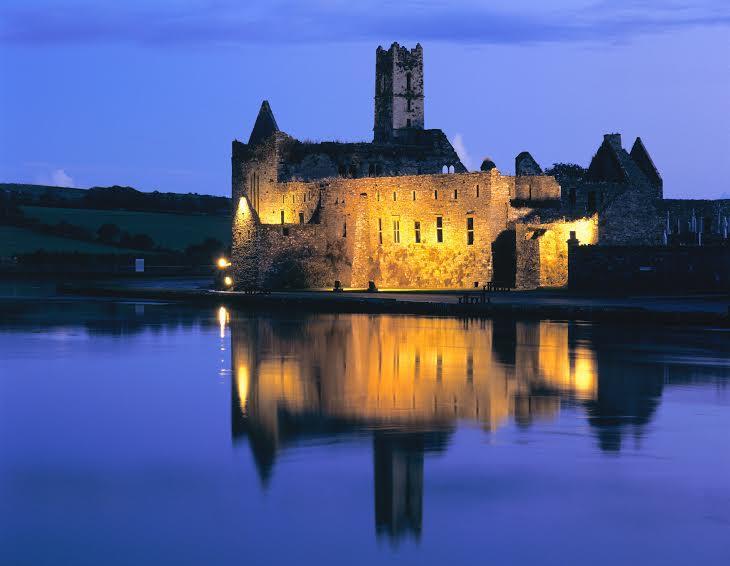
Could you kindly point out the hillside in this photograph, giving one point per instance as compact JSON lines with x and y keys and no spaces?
{"x":170,"y":231}
{"x":17,"y":241}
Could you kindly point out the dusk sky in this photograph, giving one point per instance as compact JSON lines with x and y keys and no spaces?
{"x":150,"y":93}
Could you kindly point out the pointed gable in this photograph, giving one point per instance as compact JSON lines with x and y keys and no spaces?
{"x":265,"y":125}
{"x":606,"y":164}
{"x":643,"y":160}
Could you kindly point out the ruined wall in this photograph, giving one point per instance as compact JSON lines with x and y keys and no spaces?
{"x":423,"y":152}
{"x":542,"y":250}
{"x":365,"y":229}
{"x":536,"y":188}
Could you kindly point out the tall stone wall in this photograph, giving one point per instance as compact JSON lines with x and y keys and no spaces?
{"x":359,"y":230}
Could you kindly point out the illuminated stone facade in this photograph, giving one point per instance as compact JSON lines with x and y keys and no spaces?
{"x":404,"y":212}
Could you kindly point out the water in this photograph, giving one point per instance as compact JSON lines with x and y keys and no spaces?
{"x":156,"y":434}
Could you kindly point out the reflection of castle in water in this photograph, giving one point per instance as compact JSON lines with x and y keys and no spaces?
{"x":408,"y":381}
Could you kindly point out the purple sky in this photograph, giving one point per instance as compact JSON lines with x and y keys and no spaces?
{"x":150,"y":93}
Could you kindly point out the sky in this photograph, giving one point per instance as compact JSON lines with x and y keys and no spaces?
{"x":151,"y":93}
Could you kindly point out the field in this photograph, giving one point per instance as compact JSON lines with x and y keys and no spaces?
{"x":21,"y":240}
{"x":171,"y":231}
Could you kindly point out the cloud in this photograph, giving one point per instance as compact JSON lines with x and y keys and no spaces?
{"x":458,"y":142}
{"x":321,"y":21}
{"x":56,"y":178}
{"x":59,"y":178}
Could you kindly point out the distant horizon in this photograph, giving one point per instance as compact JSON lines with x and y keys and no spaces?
{"x":151,"y":94}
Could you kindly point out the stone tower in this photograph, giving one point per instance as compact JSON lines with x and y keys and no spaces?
{"x":398,"y":93}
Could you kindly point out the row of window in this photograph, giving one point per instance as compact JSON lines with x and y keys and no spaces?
{"x":455,"y":194}
{"x":417,"y":230}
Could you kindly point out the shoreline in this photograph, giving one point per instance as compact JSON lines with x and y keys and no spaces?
{"x":513,"y":304}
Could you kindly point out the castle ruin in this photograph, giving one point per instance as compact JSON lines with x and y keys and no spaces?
{"x":404,"y":212}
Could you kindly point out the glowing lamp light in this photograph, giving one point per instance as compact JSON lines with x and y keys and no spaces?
{"x":223,"y":263}
{"x":228,"y":281}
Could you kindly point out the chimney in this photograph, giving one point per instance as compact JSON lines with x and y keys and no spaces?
{"x":613,"y":139}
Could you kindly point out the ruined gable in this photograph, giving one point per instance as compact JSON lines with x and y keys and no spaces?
{"x":264,"y":126}
{"x":525,"y":165}
{"x":643,"y":160}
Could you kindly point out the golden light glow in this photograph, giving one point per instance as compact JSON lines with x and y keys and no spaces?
{"x":242,"y":380}
{"x":224,"y":318}
{"x":228,"y":280}
{"x":223,"y":263}
{"x":243,"y":205}
{"x":417,"y":372}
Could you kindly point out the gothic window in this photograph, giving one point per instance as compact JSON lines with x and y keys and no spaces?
{"x":301,"y":218}
{"x":396,"y":231}
{"x":417,"y":231}
{"x":469,"y":231}
{"x":440,"y":229}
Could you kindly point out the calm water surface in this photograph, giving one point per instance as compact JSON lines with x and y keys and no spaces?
{"x":156,"y":434}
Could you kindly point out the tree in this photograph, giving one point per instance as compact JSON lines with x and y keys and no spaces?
{"x":109,"y":233}
{"x":566,"y":172}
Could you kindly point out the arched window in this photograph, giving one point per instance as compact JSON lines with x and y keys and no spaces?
{"x":451,"y":168}
{"x":445,"y":169}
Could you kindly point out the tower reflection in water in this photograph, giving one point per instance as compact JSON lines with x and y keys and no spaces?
{"x":408,"y":382}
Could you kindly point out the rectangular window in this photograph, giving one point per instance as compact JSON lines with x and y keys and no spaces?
{"x":456,"y":194}
{"x":439,"y":229}
{"x":394,"y":195}
{"x":282,"y":217}
{"x":301,"y":218}
{"x":477,"y":191}
{"x":377,"y":195}
{"x":396,"y":231}
{"x":469,"y":231}
{"x":380,"y":231}
{"x":409,"y":104}
{"x":435,"y":195}
{"x":408,"y":123}
{"x":344,"y":229}
{"x":591,"y":201}
{"x":417,"y":230}
{"x":414,"y":195}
